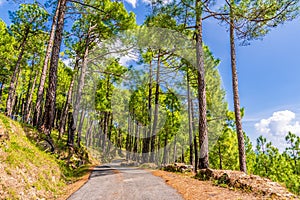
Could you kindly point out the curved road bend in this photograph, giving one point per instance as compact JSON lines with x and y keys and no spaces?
{"x":113,"y":182}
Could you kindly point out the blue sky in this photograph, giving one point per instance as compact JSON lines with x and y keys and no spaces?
{"x":268,"y":70}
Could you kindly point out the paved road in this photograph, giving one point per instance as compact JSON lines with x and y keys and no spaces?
{"x":113,"y":182}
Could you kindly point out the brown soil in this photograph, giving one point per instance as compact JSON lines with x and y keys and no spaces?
{"x":193,"y":189}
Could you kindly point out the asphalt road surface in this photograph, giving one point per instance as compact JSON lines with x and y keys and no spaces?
{"x":113,"y":182}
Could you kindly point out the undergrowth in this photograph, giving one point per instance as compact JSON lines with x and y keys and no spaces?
{"x":33,"y":171}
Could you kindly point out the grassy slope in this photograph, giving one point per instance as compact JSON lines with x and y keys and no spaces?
{"x":28,"y":172}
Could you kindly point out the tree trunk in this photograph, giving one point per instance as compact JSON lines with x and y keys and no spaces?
{"x":88,"y":133}
{"x":135,"y":142}
{"x":237,"y":110}
{"x":146,"y":140}
{"x":128,"y":138}
{"x":12,"y":85}
{"x":28,"y":90}
{"x":105,"y":121}
{"x":109,"y":130}
{"x":80,"y":127}
{"x":81,"y":78}
{"x":220,"y":157}
{"x":40,"y":92}
{"x":203,"y":137}
{"x":64,"y":113}
{"x":156,"y":100}
{"x":51,"y":92}
{"x":29,"y":100}
{"x":190,"y":119}
{"x":17,"y":105}
{"x":175,"y":149}
{"x":195,"y":139}
{"x":120,"y":141}
{"x":182,"y":155}
{"x":1,"y":90}
{"x":165,"y":156}
{"x":71,"y":131}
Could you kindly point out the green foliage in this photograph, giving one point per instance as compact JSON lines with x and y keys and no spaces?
{"x":64,"y":78}
{"x":266,"y":161}
{"x":225,"y":151}
{"x":280,"y":167}
{"x":173,"y":115}
{"x":255,"y":19}
{"x":138,"y":106}
{"x":7,"y":51}
{"x":105,"y":86}
{"x":29,"y":19}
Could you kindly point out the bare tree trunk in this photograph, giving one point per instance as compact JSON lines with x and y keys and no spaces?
{"x":64,"y":113}
{"x":182,"y":155}
{"x":146,"y":141}
{"x":82,"y":77}
{"x":28,"y":90}
{"x":237,"y":109}
{"x":220,"y":157}
{"x":165,"y":156}
{"x":156,"y":100}
{"x":88,"y":133}
{"x":128,"y":152}
{"x":105,"y":121}
{"x":120,"y":141}
{"x":109,"y":126}
{"x":135,"y":143}
{"x":80,"y":127}
{"x":1,"y":90}
{"x":29,"y":100}
{"x":12,"y":85}
{"x":195,"y":138}
{"x":51,"y":92}
{"x":40,"y":93}
{"x":190,"y":119}
{"x":71,"y":131}
{"x":175,"y":149}
{"x":203,"y":137}
{"x":15,"y":101}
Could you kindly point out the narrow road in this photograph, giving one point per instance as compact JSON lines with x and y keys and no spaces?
{"x":113,"y":182}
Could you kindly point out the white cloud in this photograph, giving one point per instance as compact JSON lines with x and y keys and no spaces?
{"x":126,"y":59}
{"x":132,"y":2}
{"x":2,"y":2}
{"x":276,"y":127}
{"x":150,"y":1}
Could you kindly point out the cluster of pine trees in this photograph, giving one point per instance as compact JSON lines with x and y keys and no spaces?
{"x":164,"y":108}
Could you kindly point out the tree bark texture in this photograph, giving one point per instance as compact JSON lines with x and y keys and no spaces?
{"x":43,"y":76}
{"x":51,"y":92}
{"x":156,"y":100}
{"x":237,"y":110}
{"x":203,"y":134}
{"x":12,"y":85}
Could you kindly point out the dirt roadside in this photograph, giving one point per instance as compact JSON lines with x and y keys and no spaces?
{"x":193,"y":189}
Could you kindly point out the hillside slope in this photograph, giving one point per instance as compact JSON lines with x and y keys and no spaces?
{"x":26,"y":170}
